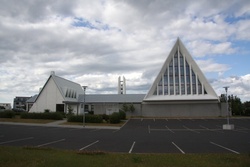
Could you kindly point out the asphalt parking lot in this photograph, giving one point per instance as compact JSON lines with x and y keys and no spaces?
{"x":138,"y":136}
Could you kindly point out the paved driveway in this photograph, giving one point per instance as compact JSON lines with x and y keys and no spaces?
{"x":138,"y":136}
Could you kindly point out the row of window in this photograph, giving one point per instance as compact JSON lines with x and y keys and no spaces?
{"x":70,"y":93}
{"x":179,"y":79}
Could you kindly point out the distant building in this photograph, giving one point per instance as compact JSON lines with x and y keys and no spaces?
{"x":30,"y":102}
{"x":179,"y":90}
{"x":121,"y":85}
{"x":6,"y":106}
{"x":20,"y":102}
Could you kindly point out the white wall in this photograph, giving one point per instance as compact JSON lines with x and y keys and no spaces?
{"x":48,"y":98}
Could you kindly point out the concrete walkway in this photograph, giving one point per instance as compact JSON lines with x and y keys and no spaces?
{"x":59,"y":124}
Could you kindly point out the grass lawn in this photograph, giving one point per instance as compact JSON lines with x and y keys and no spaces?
{"x":39,"y":157}
{"x":19,"y":120}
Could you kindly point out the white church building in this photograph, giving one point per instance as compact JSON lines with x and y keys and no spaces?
{"x":179,"y":90}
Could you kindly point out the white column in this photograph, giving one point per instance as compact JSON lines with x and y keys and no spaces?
{"x":185,"y":79}
{"x":191,"y":81}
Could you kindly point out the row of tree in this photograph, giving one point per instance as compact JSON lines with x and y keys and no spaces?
{"x":236,"y":106}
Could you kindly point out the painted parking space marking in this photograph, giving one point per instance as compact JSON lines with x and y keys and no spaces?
{"x":224,"y":148}
{"x":17,"y":140}
{"x":88,"y":145}
{"x":178,"y":148}
{"x":132,"y":147}
{"x":169,"y":129}
{"x":190,"y":129}
{"x":148,"y":128}
{"x":242,"y":128}
{"x":241,"y":131}
{"x":166,"y":119}
{"x":116,"y":131}
{"x":212,"y":130}
{"x":53,"y":142}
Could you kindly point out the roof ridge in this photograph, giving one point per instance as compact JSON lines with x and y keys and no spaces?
{"x":64,"y":79}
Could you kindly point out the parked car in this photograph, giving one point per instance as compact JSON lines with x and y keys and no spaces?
{"x":2,"y":108}
{"x":19,"y":110}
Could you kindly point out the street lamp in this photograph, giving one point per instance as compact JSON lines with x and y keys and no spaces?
{"x":226,"y":88}
{"x":83,"y":115}
{"x":227,"y":126}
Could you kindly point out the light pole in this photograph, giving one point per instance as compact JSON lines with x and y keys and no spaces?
{"x":227,"y":126}
{"x":83,"y":115}
{"x":226,"y":88}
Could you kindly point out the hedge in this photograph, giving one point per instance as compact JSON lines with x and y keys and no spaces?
{"x":53,"y":116}
{"x":115,"y":118}
{"x":122,"y":115}
{"x":7,"y":114}
{"x":88,"y":118}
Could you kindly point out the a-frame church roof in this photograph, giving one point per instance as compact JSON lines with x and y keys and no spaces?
{"x":180,"y":78}
{"x":69,"y":90}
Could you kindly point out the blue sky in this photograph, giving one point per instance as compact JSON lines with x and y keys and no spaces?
{"x":94,"y":42}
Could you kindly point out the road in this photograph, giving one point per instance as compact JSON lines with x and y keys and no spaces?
{"x":138,"y":136}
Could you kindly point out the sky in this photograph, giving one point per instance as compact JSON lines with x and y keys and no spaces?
{"x":94,"y":42}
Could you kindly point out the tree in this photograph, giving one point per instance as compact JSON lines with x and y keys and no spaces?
{"x":246,"y":108}
{"x":131,"y":108}
{"x":235,"y":104}
{"x":125,"y":108}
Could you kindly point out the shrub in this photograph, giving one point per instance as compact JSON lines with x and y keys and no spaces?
{"x":52,"y":115}
{"x":122,"y":115}
{"x":47,"y":110}
{"x":105,"y":117}
{"x":74,"y":118}
{"x":93,"y":118}
{"x":115,"y":118}
{"x":7,"y":114}
{"x":88,"y":118}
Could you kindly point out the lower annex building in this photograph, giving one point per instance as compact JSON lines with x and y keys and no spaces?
{"x":179,"y":90}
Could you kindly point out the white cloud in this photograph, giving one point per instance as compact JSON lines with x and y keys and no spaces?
{"x":115,"y":38}
{"x":211,"y":66}
{"x":203,"y":48}
{"x":238,"y":86}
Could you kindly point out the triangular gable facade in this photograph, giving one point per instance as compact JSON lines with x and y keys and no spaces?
{"x":55,"y":91}
{"x":180,"y":78}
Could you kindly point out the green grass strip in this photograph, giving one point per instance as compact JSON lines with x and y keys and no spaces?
{"x":46,"y":157}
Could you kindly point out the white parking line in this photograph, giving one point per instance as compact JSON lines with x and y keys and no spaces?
{"x":190,"y":129}
{"x":45,"y":144}
{"x":178,"y":148}
{"x":89,"y":145}
{"x":242,"y":128}
{"x":12,"y":141}
{"x":225,"y":148}
{"x":132,"y":147}
{"x":149,"y":129}
{"x":169,"y":129}
{"x":213,"y":130}
{"x":95,"y":130}
{"x":141,"y":119}
{"x":116,"y":130}
{"x":166,"y":119}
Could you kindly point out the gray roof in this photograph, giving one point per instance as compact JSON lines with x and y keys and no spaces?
{"x":32,"y":99}
{"x":64,"y":84}
{"x":112,"y":98}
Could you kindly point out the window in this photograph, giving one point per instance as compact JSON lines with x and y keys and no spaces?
{"x":179,"y":79}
